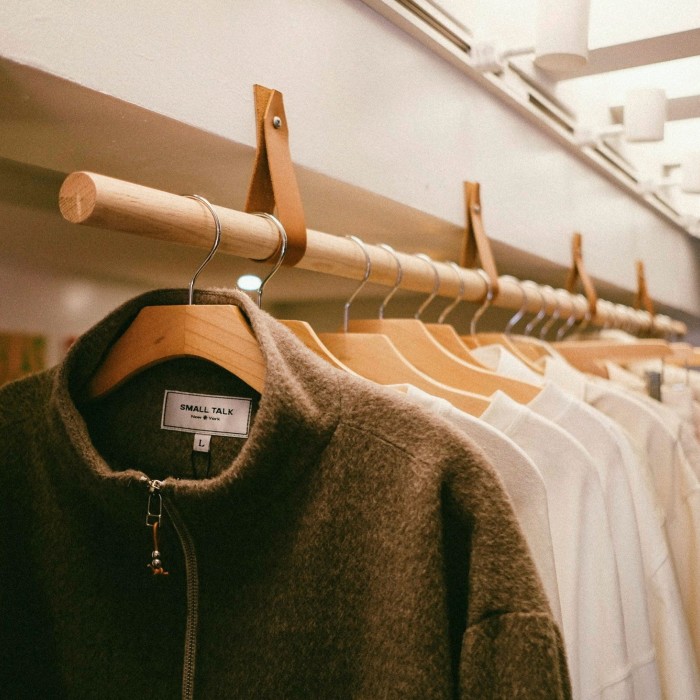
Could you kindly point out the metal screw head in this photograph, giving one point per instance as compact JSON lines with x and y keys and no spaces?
{"x":477,"y":208}
{"x":276,"y":122}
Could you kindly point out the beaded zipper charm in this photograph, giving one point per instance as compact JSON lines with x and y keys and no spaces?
{"x":154,"y":514}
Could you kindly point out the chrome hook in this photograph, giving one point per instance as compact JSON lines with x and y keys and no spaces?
{"x":555,"y":316}
{"x":368,"y":269}
{"x":448,"y":309}
{"x":217,"y":240}
{"x":569,"y":322}
{"x":399,"y":277}
{"x":485,"y":305}
{"x":585,"y":321}
{"x":436,"y":285}
{"x":280,"y":259}
{"x":523,"y":307}
{"x":540,"y":314}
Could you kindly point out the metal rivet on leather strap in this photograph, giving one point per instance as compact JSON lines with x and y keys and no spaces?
{"x":276,"y":122}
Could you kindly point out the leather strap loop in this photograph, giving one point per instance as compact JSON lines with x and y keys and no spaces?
{"x":642,"y":300}
{"x":273,"y":182}
{"x":578,"y":271}
{"x":476,"y":244}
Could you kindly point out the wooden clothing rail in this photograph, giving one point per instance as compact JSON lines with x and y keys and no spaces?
{"x":108,"y":203}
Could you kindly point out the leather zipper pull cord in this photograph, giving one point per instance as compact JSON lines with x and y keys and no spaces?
{"x":154,"y":514}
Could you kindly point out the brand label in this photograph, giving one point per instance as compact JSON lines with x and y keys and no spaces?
{"x":206,"y":414}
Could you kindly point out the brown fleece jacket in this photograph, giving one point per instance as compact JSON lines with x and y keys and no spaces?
{"x":351,"y":547}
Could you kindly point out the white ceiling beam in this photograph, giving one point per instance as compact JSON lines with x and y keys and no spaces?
{"x":644,"y":52}
{"x":677,"y":108}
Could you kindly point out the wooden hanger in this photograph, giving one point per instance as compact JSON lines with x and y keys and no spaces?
{"x":217,"y":333}
{"x":420,"y":348}
{"x":586,"y":355}
{"x":308,"y":336}
{"x":375,"y":357}
{"x":505,"y":340}
{"x":445,"y":333}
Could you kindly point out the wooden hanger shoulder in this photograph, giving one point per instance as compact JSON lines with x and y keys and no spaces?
{"x":506,"y":342}
{"x":218,"y":333}
{"x":308,"y":336}
{"x":447,"y":336}
{"x":585,"y":354}
{"x":375,"y":357}
{"x":426,"y":354}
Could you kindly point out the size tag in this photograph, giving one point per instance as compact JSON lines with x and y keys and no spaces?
{"x":206,"y":414}
{"x":201,"y":443}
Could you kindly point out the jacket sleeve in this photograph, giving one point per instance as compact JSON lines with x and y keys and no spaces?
{"x":513,"y":655}
{"x":506,"y":643}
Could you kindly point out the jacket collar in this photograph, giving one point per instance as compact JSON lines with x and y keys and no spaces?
{"x":297,"y":414}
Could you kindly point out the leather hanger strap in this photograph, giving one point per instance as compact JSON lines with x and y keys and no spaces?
{"x":476,"y":244}
{"x":642,"y":300}
{"x":273,"y":182}
{"x":578,"y":271}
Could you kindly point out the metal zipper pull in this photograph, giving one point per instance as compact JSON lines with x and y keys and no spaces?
{"x":154,"y":515}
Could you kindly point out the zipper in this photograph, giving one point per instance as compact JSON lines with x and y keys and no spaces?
{"x":157,"y":502}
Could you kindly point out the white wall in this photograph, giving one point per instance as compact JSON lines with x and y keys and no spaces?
{"x":368,"y":105}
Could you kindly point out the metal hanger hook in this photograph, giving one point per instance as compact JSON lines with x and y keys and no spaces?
{"x":368,"y":270}
{"x":399,"y":277}
{"x":452,"y":305}
{"x":487,"y":301}
{"x":283,"y":251}
{"x":436,"y":285}
{"x":217,"y":240}
{"x":585,"y":321}
{"x":555,"y":316}
{"x":523,"y":307}
{"x":569,"y":322}
{"x":540,"y":314}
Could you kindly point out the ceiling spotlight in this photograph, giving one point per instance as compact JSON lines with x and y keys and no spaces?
{"x":561,"y":34}
{"x":690,"y":172}
{"x":644,"y":118}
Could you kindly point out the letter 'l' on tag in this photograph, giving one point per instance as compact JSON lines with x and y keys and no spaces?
{"x":201,"y":443}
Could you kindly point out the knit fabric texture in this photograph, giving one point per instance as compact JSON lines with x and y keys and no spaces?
{"x":352,"y":546}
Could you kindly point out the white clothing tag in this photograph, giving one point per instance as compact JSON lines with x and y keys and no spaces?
{"x":201,"y":443}
{"x":206,"y":414}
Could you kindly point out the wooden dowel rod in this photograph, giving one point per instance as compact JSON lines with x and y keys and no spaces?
{"x":105,"y":202}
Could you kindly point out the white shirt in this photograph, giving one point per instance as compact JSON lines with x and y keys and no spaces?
{"x":675,"y":485}
{"x":589,"y":590}
{"x":522,"y":481}
{"x":497,"y":358}
{"x":600,"y":441}
{"x":672,"y":639}
{"x":585,"y":424}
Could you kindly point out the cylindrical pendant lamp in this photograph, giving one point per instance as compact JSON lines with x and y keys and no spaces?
{"x":645,"y":115}
{"x":561,"y":35}
{"x":690,"y":172}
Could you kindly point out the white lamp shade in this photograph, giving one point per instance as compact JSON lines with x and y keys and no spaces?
{"x":645,"y":114}
{"x":561,"y":34}
{"x":690,"y":173}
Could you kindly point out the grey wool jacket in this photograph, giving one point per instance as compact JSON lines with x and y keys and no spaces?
{"x":350,"y":547}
